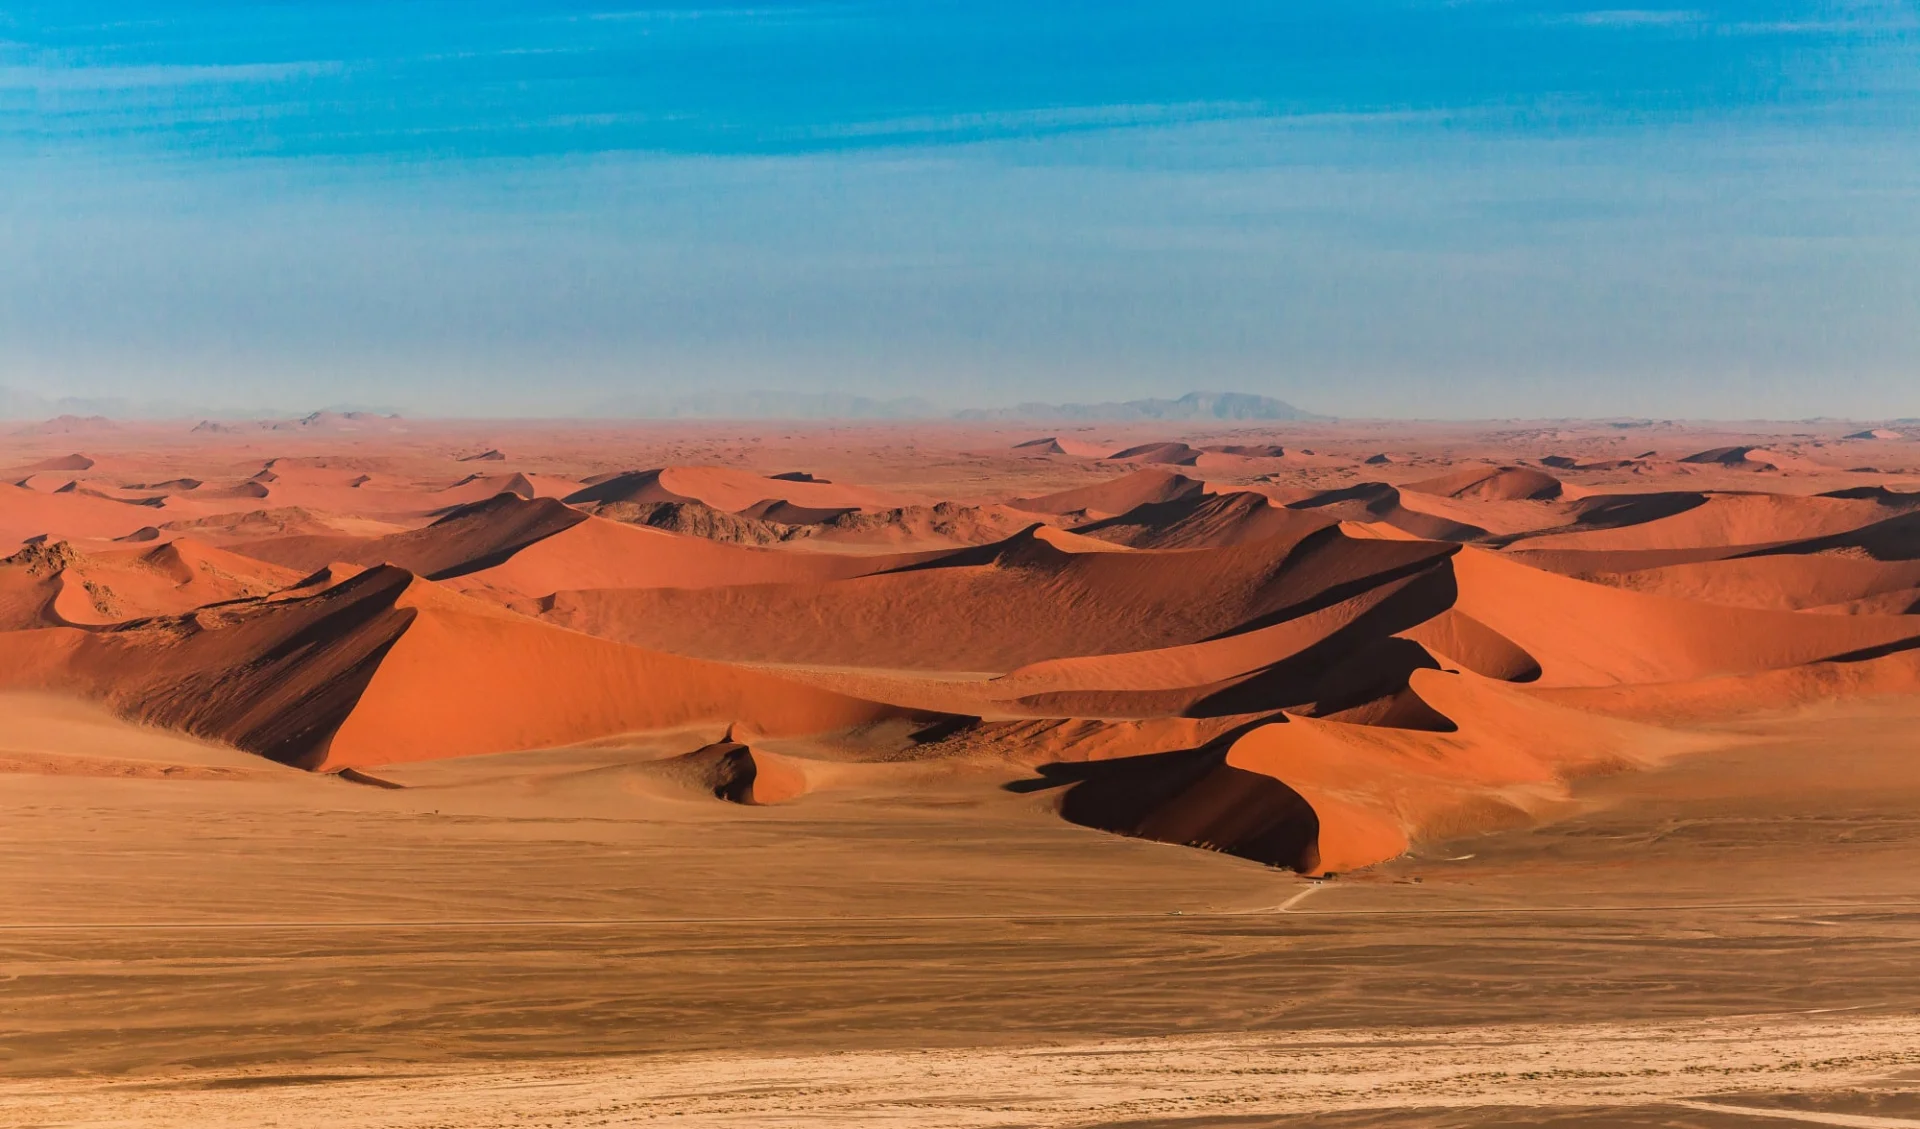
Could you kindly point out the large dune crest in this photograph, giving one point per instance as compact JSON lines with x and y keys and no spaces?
{"x":1312,"y":656}
{"x":387,"y":667}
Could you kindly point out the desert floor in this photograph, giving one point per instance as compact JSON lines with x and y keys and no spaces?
{"x":532,"y":939}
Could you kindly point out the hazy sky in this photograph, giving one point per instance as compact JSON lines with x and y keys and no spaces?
{"x":1369,"y":207}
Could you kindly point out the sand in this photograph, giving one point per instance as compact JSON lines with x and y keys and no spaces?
{"x":1128,"y":777}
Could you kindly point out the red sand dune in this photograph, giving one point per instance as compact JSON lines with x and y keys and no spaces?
{"x":1492,"y":484}
{"x":1784,"y":581}
{"x":1749,"y":458}
{"x":1325,"y":797}
{"x":736,"y":772}
{"x":1592,"y":635}
{"x":1713,"y":521}
{"x":1170,"y":454}
{"x":74,"y":461}
{"x":595,"y":553}
{"x":1062,"y":445}
{"x":1204,"y":521}
{"x":465,"y":539}
{"x":27,"y":514}
{"x":1283,"y":663}
{"x":386,"y":667}
{"x":1379,"y":502}
{"x":1116,"y":496}
{"x":998,"y":607}
{"x":726,"y":489}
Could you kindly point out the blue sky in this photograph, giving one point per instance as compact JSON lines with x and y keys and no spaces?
{"x":1374,"y":208}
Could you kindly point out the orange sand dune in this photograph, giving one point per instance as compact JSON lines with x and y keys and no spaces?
{"x":1204,"y":521}
{"x":1116,"y":496}
{"x":1509,"y":622}
{"x":1722,"y":520}
{"x":1737,"y":695}
{"x":736,"y":772}
{"x":480,"y":487}
{"x":1746,"y":458}
{"x":1278,"y":661}
{"x":1062,"y":445}
{"x":26,"y":514}
{"x":465,"y":539}
{"x":1001,"y":606}
{"x":386,"y":667}
{"x":1592,"y":635}
{"x":1492,"y":484}
{"x":943,"y":524}
{"x":1169,"y":454}
{"x":728,"y":489}
{"x":1323,"y":796}
{"x":121,"y":584}
{"x":1892,"y":539}
{"x":1379,"y":502}
{"x":596,"y":553}
{"x":1784,"y":581}
{"x":256,"y":525}
{"x":1395,"y":603}
{"x":69,"y":462}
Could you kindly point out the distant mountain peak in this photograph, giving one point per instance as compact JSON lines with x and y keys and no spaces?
{"x":1192,"y":406}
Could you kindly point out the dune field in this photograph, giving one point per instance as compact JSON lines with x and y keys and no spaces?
{"x":373,"y":772}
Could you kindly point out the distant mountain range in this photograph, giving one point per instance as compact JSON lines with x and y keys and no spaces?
{"x":764,"y":404}
{"x":759,"y":404}
{"x":1192,"y":406}
{"x":829,"y":405}
{"x":18,"y":405}
{"x":15,"y":404}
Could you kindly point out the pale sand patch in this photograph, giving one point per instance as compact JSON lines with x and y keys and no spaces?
{"x":1081,"y":1083}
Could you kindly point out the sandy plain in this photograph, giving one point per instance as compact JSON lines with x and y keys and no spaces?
{"x":1710,"y":921}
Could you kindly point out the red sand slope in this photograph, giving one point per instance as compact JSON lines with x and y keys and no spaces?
{"x":466,"y":539}
{"x":1205,"y":521}
{"x":997,"y":607}
{"x":1592,"y":635}
{"x":27,"y":514}
{"x":1116,"y":496}
{"x":1720,"y":520}
{"x":1169,"y":454}
{"x":727,"y":489}
{"x":595,"y":553}
{"x":1492,"y":484}
{"x":386,"y":667}
{"x":1295,"y":668}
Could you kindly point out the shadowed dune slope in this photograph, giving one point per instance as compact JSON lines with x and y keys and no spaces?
{"x":1782,"y":581}
{"x":1299,"y":668}
{"x":1116,"y":496}
{"x":534,"y":547}
{"x":1890,"y":539}
{"x":1491,"y":484}
{"x":1169,"y":454}
{"x":1476,"y":611}
{"x":1587,"y":634}
{"x":26,"y":514}
{"x":596,"y":553}
{"x":728,"y":489}
{"x":1379,"y":502}
{"x":1004,"y":605}
{"x":1321,"y":796}
{"x":386,"y":667}
{"x":466,"y":539}
{"x":1715,"y":521}
{"x":1204,"y":521}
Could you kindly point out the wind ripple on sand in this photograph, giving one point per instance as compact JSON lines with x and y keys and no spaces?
{"x":1517,"y":1067}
